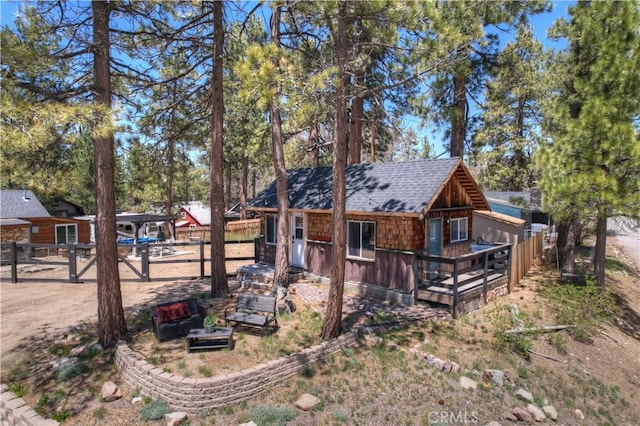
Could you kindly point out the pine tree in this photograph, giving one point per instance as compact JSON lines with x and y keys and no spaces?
{"x":591,"y":167}
{"x":509,"y":131}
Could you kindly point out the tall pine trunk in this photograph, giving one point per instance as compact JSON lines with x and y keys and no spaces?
{"x":244,"y":182}
{"x":357,"y":117}
{"x":333,"y":316}
{"x":281,"y":273}
{"x":219,"y":285}
{"x":601,"y":249}
{"x":458,"y":115}
{"x":315,"y":146}
{"x":566,"y":243}
{"x":111,"y":323}
{"x":171,"y":147}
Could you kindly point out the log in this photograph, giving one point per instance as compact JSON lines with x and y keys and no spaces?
{"x":548,"y":357}
{"x":538,"y":330}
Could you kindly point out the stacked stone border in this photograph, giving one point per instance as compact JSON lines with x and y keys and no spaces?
{"x":14,"y":411}
{"x":193,"y":395}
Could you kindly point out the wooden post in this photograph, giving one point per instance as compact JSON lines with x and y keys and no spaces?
{"x":201,"y":244}
{"x":454,"y":314}
{"x":144,"y":260}
{"x":484,"y":283}
{"x":416,"y":277}
{"x":14,"y":262}
{"x":509,"y":266}
{"x":72,"y":250}
{"x":256,"y":249}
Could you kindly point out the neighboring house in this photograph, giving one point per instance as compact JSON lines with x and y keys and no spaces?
{"x":194,"y":215}
{"x":392,"y":209}
{"x":64,"y":208}
{"x":524,"y":205}
{"x":24,"y":219}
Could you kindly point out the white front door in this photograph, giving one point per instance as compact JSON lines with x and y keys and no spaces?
{"x":297,"y":239}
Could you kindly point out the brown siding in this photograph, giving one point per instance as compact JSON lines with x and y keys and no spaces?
{"x":47,"y":226}
{"x":453,"y":195}
{"x":453,"y":214}
{"x":391,"y":270}
{"x":392,"y":232}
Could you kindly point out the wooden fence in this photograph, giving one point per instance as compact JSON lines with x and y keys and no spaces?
{"x":245,"y":229}
{"x":14,"y":254}
{"x":522,"y":257}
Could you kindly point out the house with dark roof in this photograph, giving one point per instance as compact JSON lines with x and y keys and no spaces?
{"x":394,"y":210}
{"x":23,"y":219}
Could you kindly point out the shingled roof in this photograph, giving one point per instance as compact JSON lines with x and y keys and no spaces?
{"x":407,"y":187}
{"x":20,"y":204}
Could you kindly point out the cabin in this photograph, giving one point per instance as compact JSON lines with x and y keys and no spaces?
{"x":23,"y":219}
{"x":194,"y":215}
{"x":407,"y":225}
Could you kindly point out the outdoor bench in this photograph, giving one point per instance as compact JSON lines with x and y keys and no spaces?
{"x":175,"y":319}
{"x":253,"y":310}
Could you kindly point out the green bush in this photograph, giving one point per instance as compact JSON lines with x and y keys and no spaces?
{"x":584,"y":307}
{"x":68,"y":373}
{"x":264,"y":415}
{"x":17,"y":389}
{"x":154,"y":410}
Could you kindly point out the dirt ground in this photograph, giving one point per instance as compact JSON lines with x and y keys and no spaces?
{"x":32,"y":311}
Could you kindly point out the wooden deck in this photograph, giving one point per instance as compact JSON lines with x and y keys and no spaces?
{"x":472,"y":276}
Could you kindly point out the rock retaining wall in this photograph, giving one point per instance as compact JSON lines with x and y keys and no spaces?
{"x":193,"y":395}
{"x":15,"y":412}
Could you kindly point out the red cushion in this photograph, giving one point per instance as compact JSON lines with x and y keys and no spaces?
{"x":173,"y":312}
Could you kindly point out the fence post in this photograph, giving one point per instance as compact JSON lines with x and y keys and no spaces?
{"x":14,"y":262}
{"x":144,"y":259}
{"x":256,"y":249}
{"x":454,"y":314}
{"x":509,"y":268}
{"x":201,"y":244}
{"x":484,"y":283}
{"x":73,"y":263}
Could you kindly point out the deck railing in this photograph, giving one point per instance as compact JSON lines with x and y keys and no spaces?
{"x":429,"y":270}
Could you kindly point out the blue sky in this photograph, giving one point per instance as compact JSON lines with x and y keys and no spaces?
{"x":540,"y":25}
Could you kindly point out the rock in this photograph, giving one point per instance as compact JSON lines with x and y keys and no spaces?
{"x":307,"y":401}
{"x":438,"y":363}
{"x":248,"y":424}
{"x":495,"y":376}
{"x":96,"y":348}
{"x":392,"y":346}
{"x":416,"y":353}
{"x":64,"y":362}
{"x":176,"y":418}
{"x":430,"y":359}
{"x":467,"y":383}
{"x":136,"y":400}
{"x":522,"y":414}
{"x":507,"y":415}
{"x":537,"y":413}
{"x":579,"y":414}
{"x":77,"y":350}
{"x":523,"y":394}
{"x":551,"y":412}
{"x":493,"y":423}
{"x":110,"y":392}
{"x":449,"y":366}
{"x":283,"y":309}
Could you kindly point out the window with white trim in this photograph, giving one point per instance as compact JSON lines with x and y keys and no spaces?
{"x":67,"y":234}
{"x":458,"y":229}
{"x":361,"y":240}
{"x":271,"y":230}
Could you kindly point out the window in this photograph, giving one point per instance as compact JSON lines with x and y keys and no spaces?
{"x":361,"y":240}
{"x":67,"y":234}
{"x":458,"y":229}
{"x":272,"y":229}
